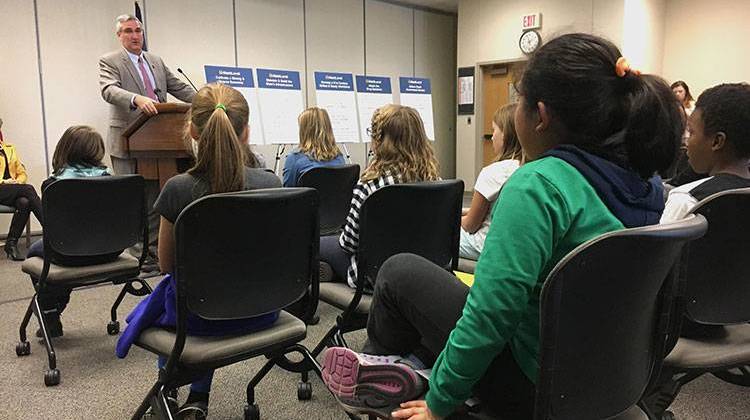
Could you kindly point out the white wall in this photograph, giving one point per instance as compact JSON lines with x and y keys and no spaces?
{"x":439,"y":64}
{"x":70,"y":54}
{"x":335,"y":48}
{"x":327,"y":35}
{"x":207,"y":39}
{"x":706,"y":42}
{"x":488,"y":31}
{"x":389,"y":39}
{"x":260,"y":37}
{"x":20,"y":97}
{"x":643,"y":34}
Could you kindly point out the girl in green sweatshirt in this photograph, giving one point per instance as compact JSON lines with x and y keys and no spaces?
{"x":594,"y":132}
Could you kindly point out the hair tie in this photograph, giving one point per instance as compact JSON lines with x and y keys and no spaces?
{"x":622,"y":67}
{"x":220,"y":105}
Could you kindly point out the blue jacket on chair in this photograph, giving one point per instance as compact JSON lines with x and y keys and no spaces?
{"x":159,"y":309}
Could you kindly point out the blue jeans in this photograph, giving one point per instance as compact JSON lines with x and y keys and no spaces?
{"x":202,"y":384}
{"x":468,"y":247}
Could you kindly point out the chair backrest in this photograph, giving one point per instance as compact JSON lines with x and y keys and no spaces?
{"x":335,"y":185}
{"x":718,"y":273}
{"x":93,"y":216}
{"x":421,"y":218}
{"x":247,"y":253}
{"x":605,"y":318}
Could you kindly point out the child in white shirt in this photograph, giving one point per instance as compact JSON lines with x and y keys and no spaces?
{"x":719,"y":145}
{"x":475,"y":222}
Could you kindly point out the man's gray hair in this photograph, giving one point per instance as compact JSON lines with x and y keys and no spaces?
{"x":125,"y":18}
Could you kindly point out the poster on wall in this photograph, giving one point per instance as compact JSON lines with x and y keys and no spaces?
{"x":417,"y":93}
{"x":465,"y":90}
{"x":334,"y":92}
{"x":280,"y":100}
{"x":372,"y":93}
{"x":241,"y":79}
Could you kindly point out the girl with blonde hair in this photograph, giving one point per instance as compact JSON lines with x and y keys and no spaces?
{"x":317,"y":146}
{"x":218,"y":122}
{"x":401,"y":153}
{"x":475,"y":222}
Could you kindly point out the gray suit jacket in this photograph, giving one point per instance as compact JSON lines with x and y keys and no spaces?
{"x":119,"y":81}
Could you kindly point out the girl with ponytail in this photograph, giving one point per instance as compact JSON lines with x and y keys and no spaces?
{"x":218,"y":123}
{"x":594,"y":132}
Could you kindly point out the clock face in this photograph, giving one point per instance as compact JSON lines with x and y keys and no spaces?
{"x":529,"y":41}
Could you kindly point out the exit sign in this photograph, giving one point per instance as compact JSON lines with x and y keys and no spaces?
{"x":532,"y":21}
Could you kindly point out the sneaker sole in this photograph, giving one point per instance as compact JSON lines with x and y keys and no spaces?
{"x":368,"y":389}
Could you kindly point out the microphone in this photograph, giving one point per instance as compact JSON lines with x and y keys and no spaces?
{"x":179,"y":70}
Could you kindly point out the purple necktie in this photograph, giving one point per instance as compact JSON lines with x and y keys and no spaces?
{"x":146,"y":81}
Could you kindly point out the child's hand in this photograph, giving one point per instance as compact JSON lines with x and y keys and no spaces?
{"x":414,"y":410}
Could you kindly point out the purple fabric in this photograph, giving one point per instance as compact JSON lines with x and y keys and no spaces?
{"x":159,"y":309}
{"x":146,"y":80}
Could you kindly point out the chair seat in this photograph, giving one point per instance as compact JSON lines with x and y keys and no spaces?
{"x":7,"y":209}
{"x":633,"y":413}
{"x":124,"y":265}
{"x":733,"y":349}
{"x":340,"y":295}
{"x":330,"y":231}
{"x":207,"y":350}
{"x":466,"y":265}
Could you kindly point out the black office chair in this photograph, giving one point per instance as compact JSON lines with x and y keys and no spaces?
{"x":421,"y":218}
{"x":263,"y":256}
{"x":87,"y":217}
{"x":335,"y":185}
{"x":716,"y":297}
{"x":605,"y":312}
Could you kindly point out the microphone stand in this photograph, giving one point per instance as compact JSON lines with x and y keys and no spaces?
{"x":179,"y":70}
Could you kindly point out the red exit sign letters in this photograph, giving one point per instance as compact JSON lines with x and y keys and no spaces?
{"x":532,"y":21}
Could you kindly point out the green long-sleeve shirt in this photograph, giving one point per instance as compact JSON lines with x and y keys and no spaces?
{"x":545,"y":210}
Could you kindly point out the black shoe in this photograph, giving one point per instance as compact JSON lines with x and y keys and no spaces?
{"x":197,"y":410}
{"x":11,"y":250}
{"x":315,"y":320}
{"x":54,"y":329}
{"x":150,"y":268}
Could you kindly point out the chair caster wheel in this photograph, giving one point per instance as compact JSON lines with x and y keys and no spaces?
{"x":113,"y":327}
{"x":252,"y":412}
{"x":23,"y":349}
{"x":304,"y":391}
{"x":667,"y":416}
{"x":315,"y":320}
{"x":52,"y":377}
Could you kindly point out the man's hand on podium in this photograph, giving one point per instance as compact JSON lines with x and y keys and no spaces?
{"x":145,"y":104}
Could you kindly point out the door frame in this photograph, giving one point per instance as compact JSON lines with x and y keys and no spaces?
{"x":479,"y":69}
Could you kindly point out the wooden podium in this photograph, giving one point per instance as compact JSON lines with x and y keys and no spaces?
{"x":158,"y":141}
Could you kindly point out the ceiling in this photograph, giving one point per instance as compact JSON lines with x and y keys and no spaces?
{"x":444,"y":5}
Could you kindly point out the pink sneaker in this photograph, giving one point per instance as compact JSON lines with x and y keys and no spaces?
{"x":366,"y":384}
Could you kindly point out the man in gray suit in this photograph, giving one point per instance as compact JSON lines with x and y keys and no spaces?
{"x":132,"y":80}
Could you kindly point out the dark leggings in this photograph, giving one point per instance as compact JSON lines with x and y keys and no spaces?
{"x":332,"y":253}
{"x":25,"y":199}
{"x":414,"y":309}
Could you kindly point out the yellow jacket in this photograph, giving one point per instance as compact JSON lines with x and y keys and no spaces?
{"x":15,"y":167}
